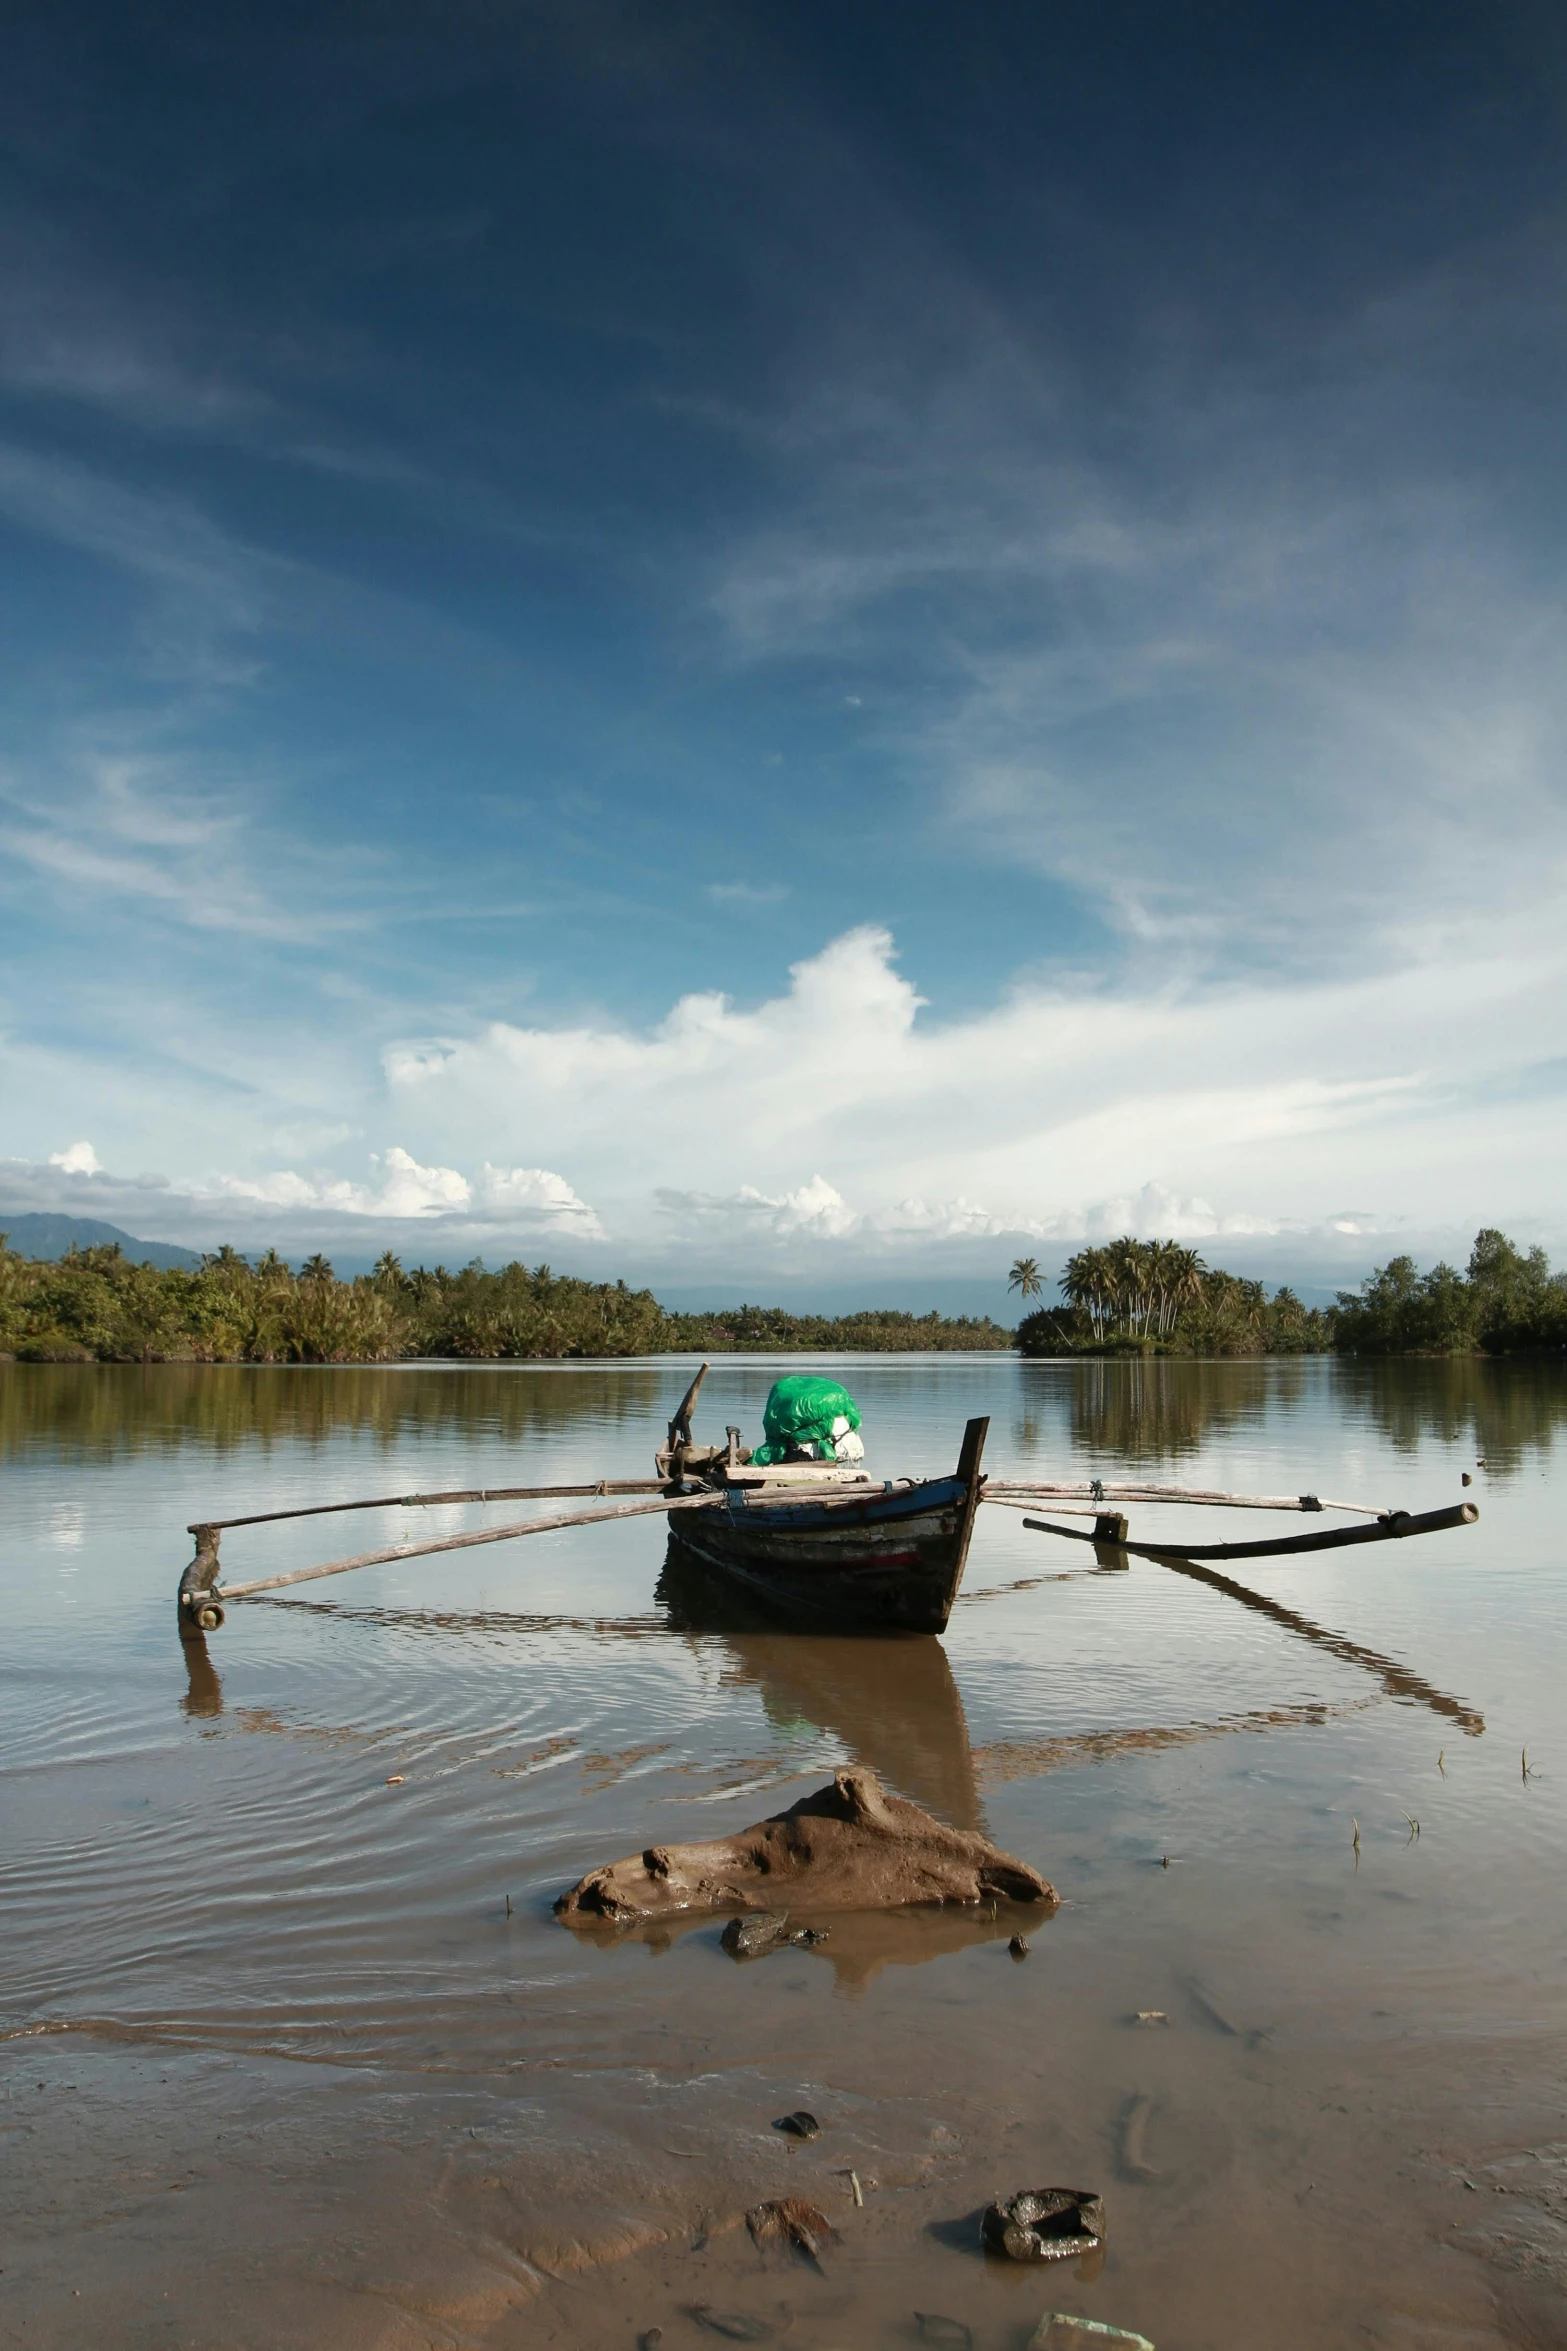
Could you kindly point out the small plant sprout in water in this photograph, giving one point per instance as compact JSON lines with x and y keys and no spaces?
{"x":1414,"y":1828}
{"x":1440,"y":1765}
{"x":1526,"y":1768}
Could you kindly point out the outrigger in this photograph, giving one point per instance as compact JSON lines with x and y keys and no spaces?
{"x":817,"y":1542}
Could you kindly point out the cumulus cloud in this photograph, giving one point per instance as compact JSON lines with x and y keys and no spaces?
{"x":76,"y":1159}
{"x":500,"y":1203}
{"x":840,"y":1111}
{"x":842,"y":1122}
{"x":536,"y":1195}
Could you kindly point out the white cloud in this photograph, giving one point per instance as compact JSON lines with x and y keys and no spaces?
{"x":842,"y":1123}
{"x":839,"y":1113}
{"x":77,"y":1159}
{"x":405,"y":1189}
{"x":500,"y":1205}
{"x":539,"y":1198}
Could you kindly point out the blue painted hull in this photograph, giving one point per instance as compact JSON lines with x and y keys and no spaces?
{"x":892,"y":1560}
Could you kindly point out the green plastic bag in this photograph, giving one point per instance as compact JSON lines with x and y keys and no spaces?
{"x":805,"y":1414}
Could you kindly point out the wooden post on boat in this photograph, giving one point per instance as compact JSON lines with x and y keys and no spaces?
{"x":670,"y":1459}
{"x":974,"y":1435}
{"x":1111,"y":1529}
{"x":199,"y":1611}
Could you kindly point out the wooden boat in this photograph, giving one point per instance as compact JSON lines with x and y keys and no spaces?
{"x":815,"y":1542}
{"x":834,"y":1546}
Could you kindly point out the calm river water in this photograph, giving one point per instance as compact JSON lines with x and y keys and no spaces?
{"x":295,"y":2053}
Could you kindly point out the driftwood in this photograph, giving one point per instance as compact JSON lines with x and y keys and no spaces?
{"x":851,"y":1846}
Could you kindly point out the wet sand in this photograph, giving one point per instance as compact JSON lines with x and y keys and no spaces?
{"x":294,"y":2055}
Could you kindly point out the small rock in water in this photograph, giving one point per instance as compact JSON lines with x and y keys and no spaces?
{"x":1045,"y":2224}
{"x":732,"y":2323}
{"x":1153,"y":2016}
{"x":799,"y":2126}
{"x":1019,"y":1947}
{"x":752,"y":1937}
{"x":789,"y":2219}
{"x":951,"y":2333}
{"x":650,"y":2339}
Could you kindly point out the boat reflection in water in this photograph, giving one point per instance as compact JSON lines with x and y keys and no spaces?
{"x":889,"y":1697}
{"x":891,"y":1701}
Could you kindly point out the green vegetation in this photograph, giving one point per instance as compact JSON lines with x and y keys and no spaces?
{"x":1129,"y":1297}
{"x":1157,"y":1298}
{"x":96,"y":1306}
{"x":1507,"y":1303}
{"x":769,"y":1330}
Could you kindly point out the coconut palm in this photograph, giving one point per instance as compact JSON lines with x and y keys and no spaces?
{"x":1025,"y":1277}
{"x":1086,"y":1285}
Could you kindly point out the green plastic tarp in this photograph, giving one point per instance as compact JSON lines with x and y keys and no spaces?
{"x":805,"y":1414}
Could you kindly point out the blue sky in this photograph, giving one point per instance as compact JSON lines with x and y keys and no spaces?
{"x":784,"y":644}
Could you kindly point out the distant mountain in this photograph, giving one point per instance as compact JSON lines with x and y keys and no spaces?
{"x":51,"y":1236}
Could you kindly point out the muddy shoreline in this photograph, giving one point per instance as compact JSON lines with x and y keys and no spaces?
{"x":295,"y":2051}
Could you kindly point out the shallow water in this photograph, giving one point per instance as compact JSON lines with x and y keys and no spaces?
{"x":297,"y":2053}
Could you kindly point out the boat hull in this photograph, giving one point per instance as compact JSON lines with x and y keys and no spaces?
{"x":892,"y":1561}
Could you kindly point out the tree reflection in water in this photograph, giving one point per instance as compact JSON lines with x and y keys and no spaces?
{"x":1154,"y":1410}
{"x":1505,"y":1411}
{"x":100,"y":1411}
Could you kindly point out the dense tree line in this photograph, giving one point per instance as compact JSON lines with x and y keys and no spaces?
{"x":1506,"y":1302}
{"x":877,"y":1331}
{"x":95,"y":1305}
{"x":1130,"y":1296}
{"x":1155,"y":1297}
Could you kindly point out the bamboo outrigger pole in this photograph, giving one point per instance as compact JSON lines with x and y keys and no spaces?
{"x":1095,"y":1493}
{"x":201,"y":1598}
{"x":1392,"y":1526}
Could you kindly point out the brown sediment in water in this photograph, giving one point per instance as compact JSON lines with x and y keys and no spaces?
{"x":289,"y":2058}
{"x":850,"y":1846}
{"x":1016,"y":1759}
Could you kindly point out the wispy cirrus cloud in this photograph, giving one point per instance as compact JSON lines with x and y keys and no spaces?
{"x":140,"y":828}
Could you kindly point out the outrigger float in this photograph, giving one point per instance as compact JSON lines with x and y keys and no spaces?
{"x":818,"y":1542}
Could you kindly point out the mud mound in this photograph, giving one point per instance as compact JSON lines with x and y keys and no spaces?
{"x":848,"y":1847}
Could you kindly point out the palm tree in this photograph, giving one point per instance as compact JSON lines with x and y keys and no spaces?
{"x":1025,"y":1277}
{"x":316,"y":1269}
{"x":1085,"y":1285}
{"x":1189,"y":1270}
{"x":1129,"y":1264}
{"x":226,"y":1261}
